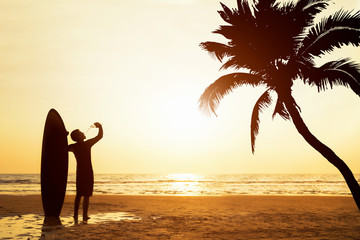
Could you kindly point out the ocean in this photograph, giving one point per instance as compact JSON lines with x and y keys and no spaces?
{"x":191,"y":184}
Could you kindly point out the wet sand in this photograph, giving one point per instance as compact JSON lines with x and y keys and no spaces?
{"x":184,"y":217}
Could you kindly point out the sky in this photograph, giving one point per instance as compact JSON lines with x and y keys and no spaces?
{"x":136,"y":67}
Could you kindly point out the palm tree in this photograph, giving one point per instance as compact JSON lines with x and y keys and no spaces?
{"x":273,"y":44}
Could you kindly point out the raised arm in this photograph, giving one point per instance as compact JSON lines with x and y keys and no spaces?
{"x":94,"y":140}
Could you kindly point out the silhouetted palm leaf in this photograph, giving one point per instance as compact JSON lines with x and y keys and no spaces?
{"x":219,"y":50}
{"x":265,"y":5}
{"x":342,"y":72}
{"x":247,"y":61}
{"x":244,"y":8}
{"x":306,"y":11}
{"x":255,"y":40}
{"x":281,"y":110}
{"x":227,"y":15}
{"x":211,"y":97}
{"x":342,"y":28}
{"x":309,"y":8}
{"x":263,"y":102}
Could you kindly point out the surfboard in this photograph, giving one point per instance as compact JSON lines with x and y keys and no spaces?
{"x":54,"y":164}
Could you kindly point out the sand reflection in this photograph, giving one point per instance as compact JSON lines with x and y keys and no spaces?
{"x":35,"y":226}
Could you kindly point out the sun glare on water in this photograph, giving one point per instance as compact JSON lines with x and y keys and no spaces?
{"x":185,"y":184}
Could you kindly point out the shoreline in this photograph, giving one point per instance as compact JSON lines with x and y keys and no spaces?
{"x":11,"y":205}
{"x":199,"y":217}
{"x":15,"y":204}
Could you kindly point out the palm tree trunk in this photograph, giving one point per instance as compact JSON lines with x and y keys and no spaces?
{"x":324,"y":150}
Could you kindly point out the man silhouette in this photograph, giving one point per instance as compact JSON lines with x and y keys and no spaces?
{"x":84,"y":170}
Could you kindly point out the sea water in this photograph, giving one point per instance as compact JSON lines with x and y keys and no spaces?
{"x":191,"y":184}
{"x":32,"y":226}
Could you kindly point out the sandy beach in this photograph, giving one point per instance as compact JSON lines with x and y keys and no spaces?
{"x":185,"y":217}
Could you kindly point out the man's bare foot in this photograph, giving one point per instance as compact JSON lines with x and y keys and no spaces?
{"x":85,"y":218}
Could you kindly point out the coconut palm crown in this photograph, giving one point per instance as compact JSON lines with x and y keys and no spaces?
{"x":273,"y":44}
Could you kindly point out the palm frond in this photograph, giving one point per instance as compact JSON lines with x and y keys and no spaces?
{"x":342,"y":72}
{"x":305,"y":12}
{"x":263,"y":102}
{"x":247,"y":61}
{"x":226,"y":14}
{"x":265,"y":5}
{"x":245,"y":8}
{"x":341,"y":28}
{"x":213,"y":94}
{"x":227,"y":31}
{"x":238,"y":57}
{"x":311,"y":7}
{"x":314,"y":7}
{"x":294,"y":17}
{"x":281,"y":110}
{"x":218,"y":50}
{"x":259,"y":38}
{"x":286,"y":6}
{"x":306,"y":67}
{"x":232,"y":62}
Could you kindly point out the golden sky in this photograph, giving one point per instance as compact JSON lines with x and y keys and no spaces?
{"x":136,"y":67}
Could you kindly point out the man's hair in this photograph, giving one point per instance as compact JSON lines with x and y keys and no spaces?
{"x":75,"y":135}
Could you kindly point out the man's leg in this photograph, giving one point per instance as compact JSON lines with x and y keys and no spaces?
{"x":76,"y":206}
{"x":85,"y":208}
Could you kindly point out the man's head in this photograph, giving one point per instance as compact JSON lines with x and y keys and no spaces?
{"x":77,"y":135}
